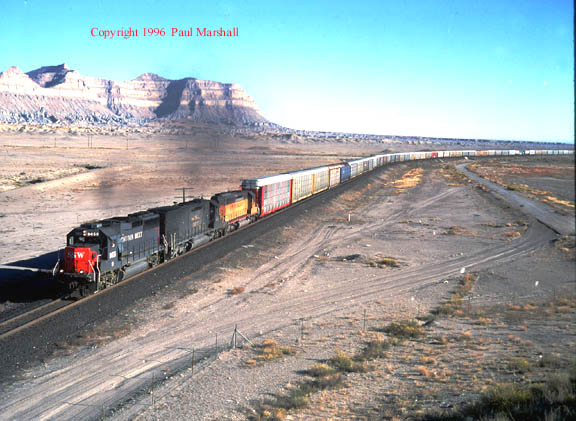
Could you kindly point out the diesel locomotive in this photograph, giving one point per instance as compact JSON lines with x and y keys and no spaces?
{"x":102,"y":253}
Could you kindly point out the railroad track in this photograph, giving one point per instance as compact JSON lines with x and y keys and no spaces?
{"x":15,"y":323}
{"x":20,"y":321}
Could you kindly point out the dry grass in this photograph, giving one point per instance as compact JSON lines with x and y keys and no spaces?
{"x":453,"y":176}
{"x":270,"y":350}
{"x":456,"y":230}
{"x":405,"y":329}
{"x":553,"y":399}
{"x":409,"y":179}
{"x":496,"y":173}
{"x":384,"y":262}
{"x":520,"y":365}
{"x":345,"y":364}
{"x":427,"y":360}
{"x":424,"y":371}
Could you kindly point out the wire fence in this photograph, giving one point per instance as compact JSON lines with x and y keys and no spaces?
{"x":147,"y":380}
{"x":142,"y":389}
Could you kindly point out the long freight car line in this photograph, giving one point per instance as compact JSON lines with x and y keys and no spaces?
{"x":44,"y":310}
{"x":29,"y":319}
{"x":100,"y":254}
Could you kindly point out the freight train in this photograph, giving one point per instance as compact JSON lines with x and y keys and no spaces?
{"x":102,"y":253}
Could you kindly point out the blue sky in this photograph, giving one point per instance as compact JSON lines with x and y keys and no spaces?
{"x":460,"y":68}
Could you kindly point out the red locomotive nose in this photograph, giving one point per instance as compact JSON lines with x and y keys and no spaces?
{"x":79,"y":260}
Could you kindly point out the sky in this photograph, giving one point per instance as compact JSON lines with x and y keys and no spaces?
{"x":488,"y":69}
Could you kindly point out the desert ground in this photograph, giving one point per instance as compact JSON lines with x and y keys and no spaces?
{"x":51,"y":183}
{"x":423,"y":244}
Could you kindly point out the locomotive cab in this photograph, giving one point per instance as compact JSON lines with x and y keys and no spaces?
{"x":82,"y":252}
{"x":100,"y":254}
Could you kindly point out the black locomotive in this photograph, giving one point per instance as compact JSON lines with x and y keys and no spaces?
{"x":102,"y":253}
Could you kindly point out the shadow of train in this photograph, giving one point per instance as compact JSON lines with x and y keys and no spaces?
{"x":20,"y":286}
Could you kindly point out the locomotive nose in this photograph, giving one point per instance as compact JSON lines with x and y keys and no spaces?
{"x":79,"y":260}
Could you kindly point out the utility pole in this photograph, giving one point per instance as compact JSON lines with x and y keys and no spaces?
{"x":183,"y":193}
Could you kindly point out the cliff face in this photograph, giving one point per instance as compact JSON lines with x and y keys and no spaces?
{"x":61,"y":96}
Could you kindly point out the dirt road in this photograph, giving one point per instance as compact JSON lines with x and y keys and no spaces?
{"x":547,"y":215}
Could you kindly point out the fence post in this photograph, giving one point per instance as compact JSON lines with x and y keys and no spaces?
{"x":234,"y":337}
{"x":152,"y":389}
{"x":193,"y":352}
{"x":216,"y":345}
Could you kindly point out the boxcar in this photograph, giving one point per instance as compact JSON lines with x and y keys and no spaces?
{"x":357,"y":167}
{"x":321,"y":179}
{"x":272,"y":192}
{"x":345,"y":172}
{"x":302,"y":184}
{"x":334,"y":175}
{"x":365,"y":165}
{"x":353,"y":169}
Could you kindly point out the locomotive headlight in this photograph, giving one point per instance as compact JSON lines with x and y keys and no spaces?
{"x":81,"y":271}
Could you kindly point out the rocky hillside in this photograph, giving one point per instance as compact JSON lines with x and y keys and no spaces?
{"x":57,"y":95}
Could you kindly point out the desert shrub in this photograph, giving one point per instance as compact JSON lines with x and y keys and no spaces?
{"x":554,"y":399}
{"x":456,"y":230}
{"x":385,"y":262}
{"x":320,"y":370}
{"x":344,"y":363}
{"x":334,"y":381}
{"x":374,"y":349}
{"x":518,"y":187}
{"x":521,"y":365}
{"x":298,"y":397}
{"x":552,"y":361}
{"x":296,"y":400}
{"x":405,"y":329}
